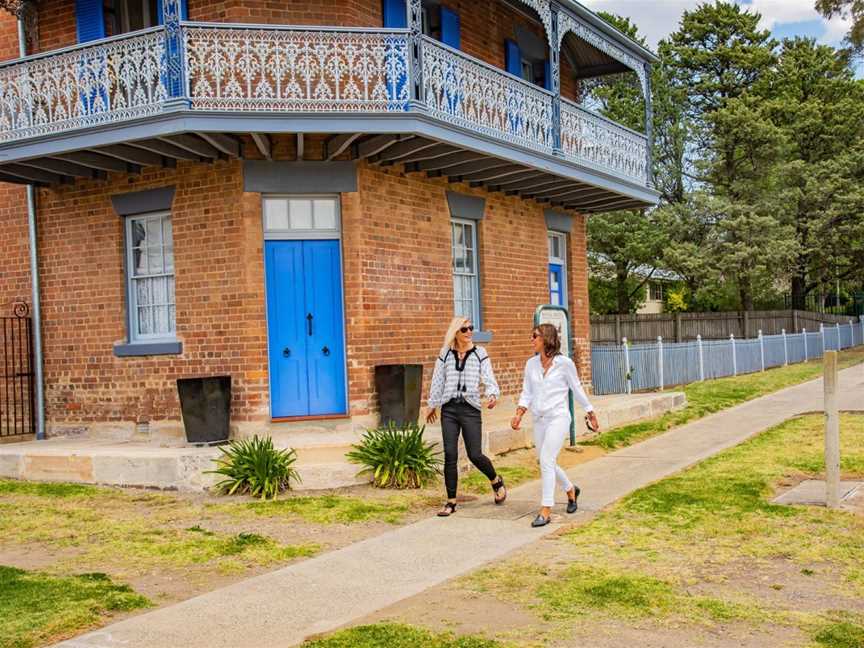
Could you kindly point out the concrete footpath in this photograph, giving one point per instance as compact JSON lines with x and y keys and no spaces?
{"x":284,"y":607}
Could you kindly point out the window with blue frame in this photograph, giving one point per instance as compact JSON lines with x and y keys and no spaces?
{"x":530,"y":67}
{"x":97,"y":19}
{"x":439,"y":21}
{"x":557,"y":269}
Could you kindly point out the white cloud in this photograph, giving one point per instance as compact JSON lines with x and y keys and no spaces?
{"x":656,"y":20}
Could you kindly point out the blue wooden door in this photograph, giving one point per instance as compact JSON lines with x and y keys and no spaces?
{"x":304,"y":321}
{"x":556,"y":284}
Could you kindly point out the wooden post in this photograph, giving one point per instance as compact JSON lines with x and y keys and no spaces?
{"x":618,"y":328}
{"x":678,"y":327}
{"x":832,"y":432}
{"x":746,"y":331}
{"x":794,"y":320}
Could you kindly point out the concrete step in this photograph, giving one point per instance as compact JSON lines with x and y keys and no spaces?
{"x":143,"y":465}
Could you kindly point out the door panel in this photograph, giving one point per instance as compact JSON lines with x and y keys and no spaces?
{"x":289,"y":393}
{"x":305,"y":328}
{"x":326,"y":352}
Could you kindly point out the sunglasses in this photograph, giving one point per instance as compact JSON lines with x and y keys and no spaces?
{"x":465,"y":329}
{"x":534,"y":336}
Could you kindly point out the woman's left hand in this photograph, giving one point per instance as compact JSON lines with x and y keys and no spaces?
{"x":492,"y":402}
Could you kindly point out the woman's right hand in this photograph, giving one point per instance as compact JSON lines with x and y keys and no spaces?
{"x":431,"y":415}
{"x":516,"y":422}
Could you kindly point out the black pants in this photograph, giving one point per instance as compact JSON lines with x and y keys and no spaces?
{"x":461,"y":416}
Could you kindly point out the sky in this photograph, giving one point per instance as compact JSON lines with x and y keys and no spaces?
{"x":657,"y":18}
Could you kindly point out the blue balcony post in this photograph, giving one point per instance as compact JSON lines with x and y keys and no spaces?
{"x":175,"y":77}
{"x":555,"y":86}
{"x":649,"y":128}
{"x":415,"y":51}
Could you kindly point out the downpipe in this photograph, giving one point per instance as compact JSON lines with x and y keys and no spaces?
{"x":34,"y":280}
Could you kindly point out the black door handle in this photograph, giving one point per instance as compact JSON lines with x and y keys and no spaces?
{"x":309,"y":322}
{"x":325,"y":351}
{"x":286,"y":352}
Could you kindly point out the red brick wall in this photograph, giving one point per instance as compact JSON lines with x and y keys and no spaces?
{"x":397,"y":275}
{"x":219,"y":295}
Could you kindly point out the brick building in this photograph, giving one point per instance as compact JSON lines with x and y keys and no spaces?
{"x":294,"y":192}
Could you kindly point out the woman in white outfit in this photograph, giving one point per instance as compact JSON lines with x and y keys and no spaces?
{"x":549,"y":377}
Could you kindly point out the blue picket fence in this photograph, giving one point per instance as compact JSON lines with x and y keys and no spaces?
{"x":629,"y":368}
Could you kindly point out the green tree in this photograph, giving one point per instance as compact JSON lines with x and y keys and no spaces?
{"x":714,"y":60}
{"x":619,"y":243}
{"x":852,"y":9}
{"x":818,"y":106}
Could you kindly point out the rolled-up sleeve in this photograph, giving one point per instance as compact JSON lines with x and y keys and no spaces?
{"x":527,"y":388}
{"x":487,"y":376}
{"x":572,"y":377}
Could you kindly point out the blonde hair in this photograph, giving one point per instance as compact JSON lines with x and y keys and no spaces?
{"x":450,"y":336}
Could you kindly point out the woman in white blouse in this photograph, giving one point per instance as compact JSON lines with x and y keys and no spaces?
{"x":549,"y":377}
{"x":460,"y":369}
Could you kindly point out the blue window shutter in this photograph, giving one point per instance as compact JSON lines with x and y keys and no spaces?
{"x":512,"y":58}
{"x":90,"y":20}
{"x":158,"y":12}
{"x":395,"y":14}
{"x":547,"y":74}
{"x":450,"y":27}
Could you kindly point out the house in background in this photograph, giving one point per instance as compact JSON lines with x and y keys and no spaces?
{"x":291,"y":193}
{"x":656,"y":289}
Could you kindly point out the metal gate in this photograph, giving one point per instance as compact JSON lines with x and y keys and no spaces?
{"x":17,"y":384}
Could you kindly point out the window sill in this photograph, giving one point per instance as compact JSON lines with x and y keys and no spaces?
{"x":168,"y":347}
{"x":482,"y":336}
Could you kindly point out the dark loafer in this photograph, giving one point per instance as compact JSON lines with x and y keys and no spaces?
{"x":572,"y":506}
{"x":540,"y":521}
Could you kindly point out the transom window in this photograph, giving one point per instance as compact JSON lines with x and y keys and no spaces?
{"x":301,"y":216}
{"x":466,"y":280}
{"x":150,"y":248}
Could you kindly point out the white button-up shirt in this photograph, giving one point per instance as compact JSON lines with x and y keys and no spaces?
{"x":548,"y":395}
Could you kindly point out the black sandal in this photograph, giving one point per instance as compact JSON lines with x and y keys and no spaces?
{"x":497,"y":486}
{"x":448,"y":510}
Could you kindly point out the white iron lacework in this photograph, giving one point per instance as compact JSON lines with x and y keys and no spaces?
{"x":569,"y":23}
{"x":279,"y":70}
{"x":589,"y":138}
{"x":107,"y":83}
{"x":544,"y":10}
{"x":482,"y":98}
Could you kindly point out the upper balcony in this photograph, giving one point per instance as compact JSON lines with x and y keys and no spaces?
{"x":385,"y":94}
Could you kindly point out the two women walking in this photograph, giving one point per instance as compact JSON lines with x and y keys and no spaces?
{"x":460,"y":370}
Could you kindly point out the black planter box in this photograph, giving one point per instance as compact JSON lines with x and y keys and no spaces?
{"x":206,"y":407}
{"x":399,"y":388}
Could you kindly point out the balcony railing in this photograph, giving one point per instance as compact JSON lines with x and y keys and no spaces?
{"x":305,"y":70}
{"x":474,"y":95}
{"x":593,"y":140}
{"x":271,"y":69}
{"x":112,"y":81}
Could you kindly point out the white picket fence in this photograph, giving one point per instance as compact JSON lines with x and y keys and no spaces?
{"x":627,"y":368}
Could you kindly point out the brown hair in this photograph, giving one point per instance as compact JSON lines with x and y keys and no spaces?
{"x":551,"y":341}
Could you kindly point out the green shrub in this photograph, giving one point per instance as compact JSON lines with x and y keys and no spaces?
{"x":255,"y":467}
{"x":397,"y":458}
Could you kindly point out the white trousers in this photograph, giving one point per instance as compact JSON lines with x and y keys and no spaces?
{"x":549,"y":435}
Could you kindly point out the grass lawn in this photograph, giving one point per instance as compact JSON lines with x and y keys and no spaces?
{"x":166,"y":547}
{"x":396,"y":635}
{"x":36,"y":608}
{"x":704,"y":398}
{"x":706,"y":547}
